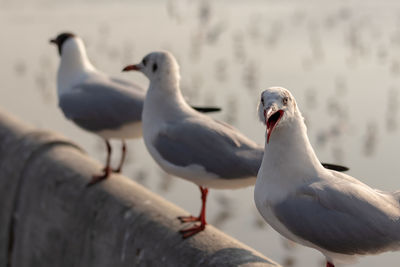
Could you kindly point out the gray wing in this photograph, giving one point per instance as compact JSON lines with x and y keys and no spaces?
{"x":344,"y":218}
{"x":219,"y":149}
{"x":100,"y":105}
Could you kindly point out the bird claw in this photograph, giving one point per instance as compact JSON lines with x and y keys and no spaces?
{"x":116,"y":170}
{"x":98,"y":178}
{"x":112,"y":170}
{"x":185,"y":219}
{"x":192,"y":231}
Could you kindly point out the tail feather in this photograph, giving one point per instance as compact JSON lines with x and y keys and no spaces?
{"x":335,"y":167}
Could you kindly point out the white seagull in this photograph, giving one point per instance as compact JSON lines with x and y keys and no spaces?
{"x":188,"y":144}
{"x":96,"y":102}
{"x":330,"y":211}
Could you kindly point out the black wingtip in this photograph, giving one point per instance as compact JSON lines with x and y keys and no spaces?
{"x":207,"y":109}
{"x":335,"y":167}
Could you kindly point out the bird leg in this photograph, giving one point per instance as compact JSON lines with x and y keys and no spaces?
{"x":328,"y":264}
{"x":123,"y":155}
{"x":191,"y":218}
{"x":202,"y":217}
{"x":106,"y":170}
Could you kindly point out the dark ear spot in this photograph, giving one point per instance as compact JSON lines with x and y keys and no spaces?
{"x":155,"y":67}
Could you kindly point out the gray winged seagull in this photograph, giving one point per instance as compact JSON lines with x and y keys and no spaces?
{"x":188,"y":144}
{"x":323,"y":209}
{"x":96,"y":102}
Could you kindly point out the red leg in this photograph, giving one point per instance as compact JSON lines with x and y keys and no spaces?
{"x":328,"y":264}
{"x":106,"y":170}
{"x":185,"y":219}
{"x":202,"y":217}
{"x":123,"y":155}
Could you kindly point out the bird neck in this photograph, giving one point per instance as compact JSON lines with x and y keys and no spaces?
{"x":74,"y":64}
{"x":167,"y":97}
{"x":74,"y":56}
{"x":166,"y":88}
{"x":289,"y":154}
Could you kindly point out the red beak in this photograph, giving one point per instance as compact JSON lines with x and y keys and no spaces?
{"x":131,"y":67}
{"x":272,"y":118}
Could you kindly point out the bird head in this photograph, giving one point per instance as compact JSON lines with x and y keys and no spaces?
{"x":277,"y":106}
{"x":61,"y":39}
{"x":157,"y":66}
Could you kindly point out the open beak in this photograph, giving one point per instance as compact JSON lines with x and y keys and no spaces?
{"x":272,"y":117}
{"x":136,"y":67}
{"x":53,"y":41}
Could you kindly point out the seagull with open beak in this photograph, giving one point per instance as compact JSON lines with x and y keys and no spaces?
{"x":323,"y":209}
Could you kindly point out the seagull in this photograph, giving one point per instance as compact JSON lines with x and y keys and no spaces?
{"x":104,"y":105}
{"x":188,"y":144}
{"x":326,"y":210}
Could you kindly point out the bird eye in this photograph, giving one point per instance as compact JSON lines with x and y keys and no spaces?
{"x":285,"y":100}
{"x":262,"y":100}
{"x":155,"y":67}
{"x":144,"y":61}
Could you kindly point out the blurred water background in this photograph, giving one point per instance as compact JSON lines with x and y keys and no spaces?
{"x":340,"y":59}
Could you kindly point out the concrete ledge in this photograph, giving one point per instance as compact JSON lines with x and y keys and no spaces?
{"x":50,"y":218}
